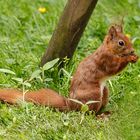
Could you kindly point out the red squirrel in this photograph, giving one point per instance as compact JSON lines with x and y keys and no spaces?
{"x":88,"y":82}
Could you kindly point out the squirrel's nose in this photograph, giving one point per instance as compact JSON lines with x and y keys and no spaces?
{"x":132,"y":51}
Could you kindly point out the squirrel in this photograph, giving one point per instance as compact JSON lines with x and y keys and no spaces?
{"x":88,"y":82}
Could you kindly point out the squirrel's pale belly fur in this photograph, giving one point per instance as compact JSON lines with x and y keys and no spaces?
{"x":88,"y":82}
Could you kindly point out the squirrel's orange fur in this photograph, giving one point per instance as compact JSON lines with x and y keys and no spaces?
{"x":88,"y":81}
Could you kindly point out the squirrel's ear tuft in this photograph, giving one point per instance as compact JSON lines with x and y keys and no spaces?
{"x":112,"y":32}
{"x":119,"y":28}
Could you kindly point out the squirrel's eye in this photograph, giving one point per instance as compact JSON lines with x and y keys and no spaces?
{"x":121,"y":43}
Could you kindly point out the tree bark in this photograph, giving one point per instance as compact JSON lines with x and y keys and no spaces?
{"x":69,"y":29}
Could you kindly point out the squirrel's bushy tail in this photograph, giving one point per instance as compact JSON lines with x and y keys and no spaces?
{"x":46,"y":97}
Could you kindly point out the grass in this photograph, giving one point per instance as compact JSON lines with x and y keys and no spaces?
{"x":24,"y":36}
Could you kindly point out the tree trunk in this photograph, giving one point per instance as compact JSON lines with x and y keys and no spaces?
{"x":69,"y":29}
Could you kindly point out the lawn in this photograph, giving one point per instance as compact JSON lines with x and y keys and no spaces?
{"x":24,"y":36}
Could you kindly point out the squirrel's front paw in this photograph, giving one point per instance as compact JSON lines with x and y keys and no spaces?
{"x":133,"y":58}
